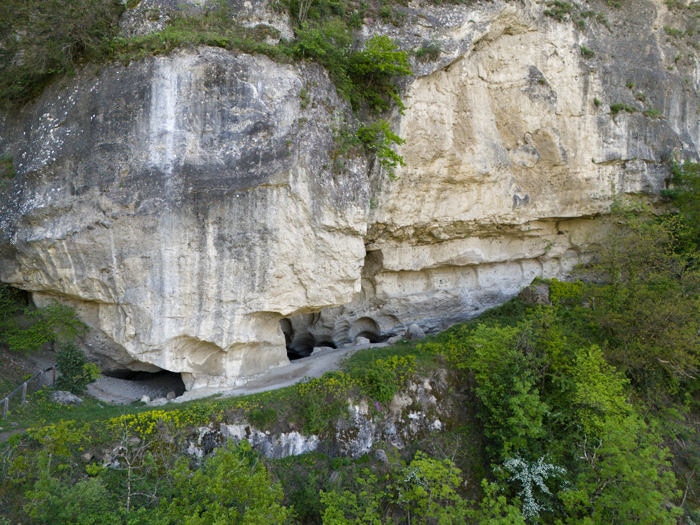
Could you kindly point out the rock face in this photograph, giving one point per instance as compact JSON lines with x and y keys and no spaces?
{"x":186,"y":205}
{"x":181,"y":204}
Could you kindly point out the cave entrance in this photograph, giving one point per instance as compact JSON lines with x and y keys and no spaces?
{"x":300,"y":344}
{"x":152,"y":384}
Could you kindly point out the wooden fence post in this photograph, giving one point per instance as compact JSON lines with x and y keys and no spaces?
{"x":24,"y":393}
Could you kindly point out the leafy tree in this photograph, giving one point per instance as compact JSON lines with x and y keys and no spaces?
{"x":230,"y":488}
{"x":506,"y":378}
{"x":76,"y":372}
{"x":624,"y":478}
{"x":494,"y":509}
{"x":648,"y":313}
{"x":427,"y":491}
{"x":378,"y":138}
{"x":372,"y":70}
{"x":600,"y":390}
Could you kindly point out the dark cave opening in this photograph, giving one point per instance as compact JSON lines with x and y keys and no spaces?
{"x":163,"y":381}
{"x":300,"y":345}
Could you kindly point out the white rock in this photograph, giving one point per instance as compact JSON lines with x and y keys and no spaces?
{"x":65,"y":398}
{"x":414,"y":333}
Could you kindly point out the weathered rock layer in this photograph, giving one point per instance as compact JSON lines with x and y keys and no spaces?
{"x":186,"y":204}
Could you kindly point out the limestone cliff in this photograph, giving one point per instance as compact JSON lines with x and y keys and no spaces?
{"x":187,"y":204}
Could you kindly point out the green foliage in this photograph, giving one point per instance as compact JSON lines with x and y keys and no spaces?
{"x":76,"y":372}
{"x":617,"y":108}
{"x":494,"y":508}
{"x":7,"y":168}
{"x":379,"y":382}
{"x":505,"y":371}
{"x":319,"y":411}
{"x":630,"y":85}
{"x":262,"y":418}
{"x":426,"y":490}
{"x":685,"y":195}
{"x":587,"y":53}
{"x":648,"y":312}
{"x":641,"y":97}
{"x":429,"y":52}
{"x":378,"y":138}
{"x":88,"y":502}
{"x":673,"y":33}
{"x":652,"y":113}
{"x":26,"y":329}
{"x":624,"y":478}
{"x":597,"y":102}
{"x":600,"y":390}
{"x":372,"y":70}
{"x":40,"y":39}
{"x":564,"y":292}
{"x":559,"y":10}
{"x":231,"y":487}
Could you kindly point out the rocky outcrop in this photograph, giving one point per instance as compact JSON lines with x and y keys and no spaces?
{"x":188,"y":207}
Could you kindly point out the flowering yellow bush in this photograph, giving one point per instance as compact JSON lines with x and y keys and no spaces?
{"x":334,"y":383}
{"x":146,"y":423}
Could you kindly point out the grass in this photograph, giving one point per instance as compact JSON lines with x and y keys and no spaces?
{"x":618,"y":108}
{"x":673,"y":33}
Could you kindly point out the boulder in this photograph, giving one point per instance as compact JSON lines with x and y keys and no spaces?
{"x":414,"y":333}
{"x":65,"y":398}
{"x":381,"y":456}
{"x":535,"y":294}
{"x":362,"y":341}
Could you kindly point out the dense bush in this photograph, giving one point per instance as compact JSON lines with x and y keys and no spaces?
{"x":25,"y":328}
{"x":76,"y":372}
{"x":40,"y":39}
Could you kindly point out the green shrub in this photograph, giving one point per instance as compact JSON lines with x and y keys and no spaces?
{"x":7,"y":168}
{"x":76,"y":372}
{"x":507,"y":378}
{"x":379,"y":382}
{"x":232,"y":487}
{"x":24,"y":328}
{"x":587,"y":53}
{"x":263,"y":418}
{"x":429,"y":52}
{"x":565,"y":292}
{"x":674,"y":33}
{"x":652,"y":113}
{"x":559,"y":10}
{"x":617,"y":108}
{"x":378,"y":138}
{"x":40,"y":39}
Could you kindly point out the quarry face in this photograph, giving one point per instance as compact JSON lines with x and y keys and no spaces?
{"x":190,"y":207}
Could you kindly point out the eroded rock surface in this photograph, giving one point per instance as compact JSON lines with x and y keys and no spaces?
{"x":186,"y":205}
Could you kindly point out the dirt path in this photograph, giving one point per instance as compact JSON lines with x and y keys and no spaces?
{"x":313,"y":366}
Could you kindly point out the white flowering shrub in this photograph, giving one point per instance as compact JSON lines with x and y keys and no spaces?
{"x":532,"y":476}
